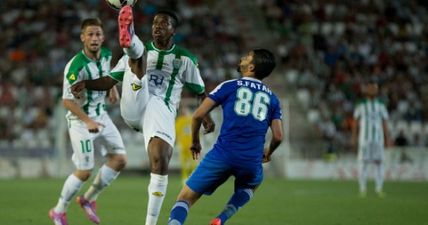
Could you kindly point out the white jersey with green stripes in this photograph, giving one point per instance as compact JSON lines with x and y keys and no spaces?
{"x":370,"y":115}
{"x":168,"y":71}
{"x":81,"y":67}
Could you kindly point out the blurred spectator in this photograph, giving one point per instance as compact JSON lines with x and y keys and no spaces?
{"x":39,"y":36}
{"x":401,"y":140}
{"x":344,"y":43}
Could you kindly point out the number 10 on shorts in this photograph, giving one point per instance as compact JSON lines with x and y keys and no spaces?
{"x":86,"y":146}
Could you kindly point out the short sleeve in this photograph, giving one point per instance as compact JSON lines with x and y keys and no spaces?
{"x":192,"y":77}
{"x":70,"y":78}
{"x":277,"y":111}
{"x":221,"y":92}
{"x":119,"y":70}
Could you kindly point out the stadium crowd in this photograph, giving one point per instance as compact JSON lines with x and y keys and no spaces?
{"x":329,"y":48}
{"x":326,"y":48}
{"x":40,"y":36}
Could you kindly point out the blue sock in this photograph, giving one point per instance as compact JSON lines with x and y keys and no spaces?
{"x":178,"y":213}
{"x":238,"y":199}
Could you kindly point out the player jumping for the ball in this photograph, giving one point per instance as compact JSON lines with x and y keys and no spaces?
{"x":151,"y":93}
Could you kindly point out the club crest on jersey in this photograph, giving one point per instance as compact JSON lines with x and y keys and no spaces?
{"x":135,"y":87}
{"x":176,"y":63}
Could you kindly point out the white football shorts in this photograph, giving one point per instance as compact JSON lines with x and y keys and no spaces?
{"x":145,"y":112}
{"x":371,"y":151}
{"x":82,"y":141}
{"x":135,"y":96}
{"x":159,"y":121}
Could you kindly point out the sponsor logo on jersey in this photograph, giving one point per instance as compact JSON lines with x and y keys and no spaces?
{"x":135,"y":87}
{"x":72,"y":77}
{"x":176,"y":63}
{"x":157,"y":80}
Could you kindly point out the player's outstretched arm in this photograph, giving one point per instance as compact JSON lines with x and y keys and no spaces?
{"x":201,"y":112}
{"x":100,"y":84}
{"x":277,"y":136}
{"x":207,"y":121}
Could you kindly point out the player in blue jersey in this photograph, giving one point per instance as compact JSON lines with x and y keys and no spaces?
{"x":249,"y":108}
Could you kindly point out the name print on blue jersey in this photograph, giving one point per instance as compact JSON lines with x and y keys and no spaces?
{"x":258,"y":85}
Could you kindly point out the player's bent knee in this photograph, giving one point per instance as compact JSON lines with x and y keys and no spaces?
{"x":83,"y":175}
{"x":117,"y":161}
{"x":159,"y":167}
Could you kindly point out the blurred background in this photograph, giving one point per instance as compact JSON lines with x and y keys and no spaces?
{"x":325,"y":50}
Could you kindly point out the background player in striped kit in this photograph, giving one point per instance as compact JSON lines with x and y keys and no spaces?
{"x":371,"y":127}
{"x":87,"y":120}
{"x":153,"y":76}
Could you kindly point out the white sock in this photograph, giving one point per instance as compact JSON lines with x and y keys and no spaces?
{"x":103,"y":179}
{"x":379,"y":177}
{"x":362,"y":175}
{"x":157,"y":191}
{"x":136,"y":49}
{"x":71,"y":186}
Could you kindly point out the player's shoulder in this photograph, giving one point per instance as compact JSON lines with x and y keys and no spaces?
{"x":229,"y":83}
{"x":380,"y":101}
{"x":274,"y":96}
{"x":361,"y":101}
{"x":105,"y":52}
{"x":77,"y":63}
{"x":186,"y":53}
{"x":225,"y":85}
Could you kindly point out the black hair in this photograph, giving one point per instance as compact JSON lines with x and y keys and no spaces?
{"x":91,"y":22}
{"x":370,"y":81}
{"x":264,"y":63}
{"x":171,"y":14}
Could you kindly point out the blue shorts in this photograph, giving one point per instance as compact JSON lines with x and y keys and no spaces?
{"x":213,"y":171}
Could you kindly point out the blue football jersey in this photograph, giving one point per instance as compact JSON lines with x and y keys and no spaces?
{"x":249,"y":107}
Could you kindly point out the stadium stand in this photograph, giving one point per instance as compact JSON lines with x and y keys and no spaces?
{"x":37,"y":48}
{"x":329,"y":48}
{"x":325,"y":49}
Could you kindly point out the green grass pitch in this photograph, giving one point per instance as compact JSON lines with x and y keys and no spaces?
{"x":277,"y":202}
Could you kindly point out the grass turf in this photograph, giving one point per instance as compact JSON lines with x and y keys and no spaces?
{"x":277,"y":202}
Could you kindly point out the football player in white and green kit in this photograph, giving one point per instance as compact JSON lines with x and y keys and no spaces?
{"x":371,"y":118}
{"x":153,"y":76}
{"x":87,"y":120}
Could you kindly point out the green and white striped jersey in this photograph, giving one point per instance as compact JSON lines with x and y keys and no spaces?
{"x":168,"y":71}
{"x":81,"y":67}
{"x":370,"y":115}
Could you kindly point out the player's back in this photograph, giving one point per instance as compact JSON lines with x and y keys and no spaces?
{"x":249,"y":106}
